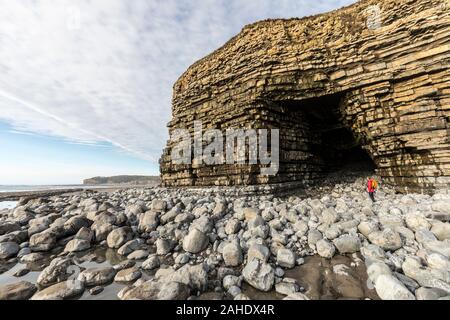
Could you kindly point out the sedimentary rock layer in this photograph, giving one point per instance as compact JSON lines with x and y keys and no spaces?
{"x":378,"y":70}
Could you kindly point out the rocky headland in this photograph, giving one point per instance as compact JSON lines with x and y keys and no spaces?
{"x":226,"y":243}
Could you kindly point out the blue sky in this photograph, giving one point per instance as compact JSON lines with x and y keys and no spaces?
{"x":85,"y":86}
{"x":39,"y":159}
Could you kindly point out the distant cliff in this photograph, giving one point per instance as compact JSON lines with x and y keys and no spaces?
{"x":132,"y":180}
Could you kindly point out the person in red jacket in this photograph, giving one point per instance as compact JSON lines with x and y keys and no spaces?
{"x":371,"y":188}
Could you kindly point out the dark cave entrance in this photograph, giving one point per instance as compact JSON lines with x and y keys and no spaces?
{"x":330,"y":145}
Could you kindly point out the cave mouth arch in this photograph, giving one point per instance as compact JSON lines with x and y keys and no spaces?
{"x":316,"y":131}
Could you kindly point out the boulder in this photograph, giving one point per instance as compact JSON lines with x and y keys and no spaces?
{"x":194,"y":276}
{"x":164,"y":246}
{"x":8,"y":249}
{"x":287,"y":287}
{"x":195,"y":242}
{"x":438,"y":261}
{"x":232,"y":254}
{"x":387,"y":239}
{"x":97,"y":276}
{"x":138,"y":255}
{"x":77,"y":245}
{"x":259,"y":275}
{"x":232,"y":226}
{"x":230,"y":281}
{"x":101,"y":230}
{"x":22,"y":290}
{"x":442,"y":247}
{"x":258,"y":251}
{"x":151,"y":263}
{"x":347,"y":243}
{"x":286,"y":258}
{"x":423,"y":236}
{"x":130,"y":246}
{"x":424,"y":276}
{"x":154,"y":290}
{"x":63,"y":290}
{"x":7,"y":227}
{"x":390,"y":288}
{"x":416,"y":222}
{"x":117,"y":237}
{"x":325,"y":249}
{"x":296,"y":296}
{"x":429,"y":294}
{"x":250,"y":213}
{"x":368,"y":227}
{"x":43,"y":241}
{"x":74,"y":224}
{"x":441,"y":230}
{"x":314,"y":236}
{"x":128,"y":275}
{"x":158,"y":205}
{"x":148,"y":221}
{"x":59,"y":269}
{"x":85,"y":234}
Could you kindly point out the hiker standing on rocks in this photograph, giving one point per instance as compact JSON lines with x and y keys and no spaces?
{"x":372,"y":186}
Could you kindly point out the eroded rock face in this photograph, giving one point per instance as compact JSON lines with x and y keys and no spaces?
{"x":387,"y":83}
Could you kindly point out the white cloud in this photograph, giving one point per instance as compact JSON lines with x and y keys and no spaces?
{"x":103,"y":70}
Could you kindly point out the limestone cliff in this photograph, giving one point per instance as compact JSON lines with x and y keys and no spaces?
{"x":313,"y":78}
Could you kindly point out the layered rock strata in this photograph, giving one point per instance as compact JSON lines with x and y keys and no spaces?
{"x":374,"y":75}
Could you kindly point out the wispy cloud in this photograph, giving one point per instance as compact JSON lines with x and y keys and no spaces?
{"x":102,"y":71}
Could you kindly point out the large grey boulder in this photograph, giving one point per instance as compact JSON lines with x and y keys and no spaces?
{"x":416,"y":221}
{"x":368,"y":227}
{"x":164,"y":246}
{"x":325,"y":249}
{"x":7,"y":227}
{"x":259,"y":275}
{"x":442,"y":247}
{"x":195,"y":241}
{"x":43,"y":241}
{"x":148,"y":221}
{"x":151,"y":263}
{"x":387,"y":239}
{"x":130,"y":246}
{"x":8,"y":249}
{"x":74,"y":224}
{"x":194,"y":276}
{"x":22,"y":290}
{"x":97,"y":276}
{"x":347,"y":243}
{"x":155,"y":290}
{"x":117,"y":237}
{"x":258,"y":251}
{"x":77,"y":245}
{"x":58,"y":270}
{"x":63,"y":290}
{"x":426,"y":277}
{"x":441,"y":230}
{"x":390,"y":288}
{"x":101,"y":230}
{"x":128,"y":275}
{"x":286,"y":258}
{"x":232,"y":254}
